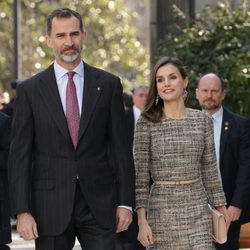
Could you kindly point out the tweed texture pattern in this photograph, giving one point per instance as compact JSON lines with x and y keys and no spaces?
{"x":178,"y":150}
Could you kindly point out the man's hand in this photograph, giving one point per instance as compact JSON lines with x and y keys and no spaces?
{"x":123,"y":219}
{"x":26,"y":226}
{"x":234,"y":213}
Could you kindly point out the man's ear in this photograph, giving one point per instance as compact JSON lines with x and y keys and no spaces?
{"x":85,"y":35}
{"x":196,"y":93}
{"x":186,"y":80}
{"x":48,"y":41}
{"x":224,"y":94}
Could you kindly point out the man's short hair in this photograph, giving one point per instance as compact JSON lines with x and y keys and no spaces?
{"x":62,"y":13}
{"x":141,"y":87}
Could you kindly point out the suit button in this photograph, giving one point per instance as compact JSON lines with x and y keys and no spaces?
{"x":74,"y":179}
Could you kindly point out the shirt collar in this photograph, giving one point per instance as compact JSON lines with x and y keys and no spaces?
{"x":218,"y":114}
{"x":136,"y":110}
{"x":60,"y":71}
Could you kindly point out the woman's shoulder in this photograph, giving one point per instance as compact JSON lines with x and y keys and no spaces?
{"x":199,"y":114}
{"x":143,"y":121}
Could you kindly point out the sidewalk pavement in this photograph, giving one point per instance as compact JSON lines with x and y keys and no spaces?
{"x":20,"y":244}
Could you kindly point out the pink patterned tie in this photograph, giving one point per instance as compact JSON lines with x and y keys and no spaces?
{"x":72,"y":109}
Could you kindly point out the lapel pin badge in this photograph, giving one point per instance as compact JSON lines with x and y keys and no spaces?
{"x":98,"y":88}
{"x":226,"y":125}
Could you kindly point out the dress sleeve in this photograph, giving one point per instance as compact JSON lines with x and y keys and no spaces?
{"x":142,"y":162}
{"x":209,"y":171}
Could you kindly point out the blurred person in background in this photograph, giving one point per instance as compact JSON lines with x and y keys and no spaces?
{"x":8,"y":107}
{"x":232,"y":144}
{"x":139,"y":98}
{"x":127,"y":240}
{"x":127,"y":100}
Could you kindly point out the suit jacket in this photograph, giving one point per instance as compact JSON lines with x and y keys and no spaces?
{"x":235,"y":161}
{"x":5,"y":230}
{"x":44,"y":164}
{"x":130,"y":121}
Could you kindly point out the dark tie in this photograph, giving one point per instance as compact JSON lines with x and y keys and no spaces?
{"x":72,"y":109}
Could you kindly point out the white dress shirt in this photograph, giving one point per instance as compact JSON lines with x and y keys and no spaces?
{"x":217,"y":119}
{"x":62,"y":80}
{"x":137,"y":113}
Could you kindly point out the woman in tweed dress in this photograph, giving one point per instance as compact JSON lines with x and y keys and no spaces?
{"x":175,"y":146}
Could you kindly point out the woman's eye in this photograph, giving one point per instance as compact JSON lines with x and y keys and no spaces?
{"x":159,"y":80}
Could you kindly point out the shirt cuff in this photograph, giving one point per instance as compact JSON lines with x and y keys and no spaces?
{"x":129,"y":208}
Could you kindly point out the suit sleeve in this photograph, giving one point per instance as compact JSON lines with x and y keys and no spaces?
{"x":209,"y":171}
{"x":124,"y":165}
{"x":4,"y":141}
{"x":21,"y":153}
{"x":242,"y":185}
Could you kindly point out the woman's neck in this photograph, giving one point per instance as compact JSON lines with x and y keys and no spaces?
{"x":175,"y":110}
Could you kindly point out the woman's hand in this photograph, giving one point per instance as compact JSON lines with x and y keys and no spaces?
{"x":145,"y":234}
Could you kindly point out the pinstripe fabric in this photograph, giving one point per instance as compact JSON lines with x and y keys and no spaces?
{"x":44,"y":163}
{"x":5,"y":229}
{"x":172,"y":150}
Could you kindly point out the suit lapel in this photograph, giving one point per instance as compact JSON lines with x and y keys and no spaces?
{"x":226,"y":127}
{"x":49,"y":91}
{"x":92,"y":91}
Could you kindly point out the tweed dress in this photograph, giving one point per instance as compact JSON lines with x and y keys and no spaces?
{"x":178,"y":150}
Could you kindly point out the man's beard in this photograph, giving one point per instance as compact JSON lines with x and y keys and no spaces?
{"x":213,"y":106}
{"x":69,"y":58}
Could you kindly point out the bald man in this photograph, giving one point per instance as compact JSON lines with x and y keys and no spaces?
{"x":232,"y":144}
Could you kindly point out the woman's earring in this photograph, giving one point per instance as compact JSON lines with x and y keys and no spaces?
{"x":156,"y":100}
{"x":185,"y":94}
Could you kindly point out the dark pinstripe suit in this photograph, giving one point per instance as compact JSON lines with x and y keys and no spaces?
{"x":5,"y":230}
{"x":44,"y":163}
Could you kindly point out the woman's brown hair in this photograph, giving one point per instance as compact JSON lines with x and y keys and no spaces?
{"x":153,"y":109}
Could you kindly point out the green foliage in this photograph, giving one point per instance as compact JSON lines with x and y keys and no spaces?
{"x":112,"y":40}
{"x":6,"y":41}
{"x":217,"y":40}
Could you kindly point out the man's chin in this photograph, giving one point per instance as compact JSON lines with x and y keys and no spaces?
{"x":69,"y":58}
{"x":210,"y":107}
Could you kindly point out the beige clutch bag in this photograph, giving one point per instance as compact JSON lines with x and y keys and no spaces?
{"x":220,"y":226}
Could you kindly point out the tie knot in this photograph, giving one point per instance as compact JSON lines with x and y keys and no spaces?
{"x":71,"y":74}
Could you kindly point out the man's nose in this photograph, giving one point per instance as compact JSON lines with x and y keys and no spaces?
{"x":68,"y":41}
{"x":209,"y":94}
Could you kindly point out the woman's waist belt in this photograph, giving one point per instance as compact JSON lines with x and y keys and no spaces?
{"x":177,"y":182}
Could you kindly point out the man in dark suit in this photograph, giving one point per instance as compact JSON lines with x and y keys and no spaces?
{"x":5,"y":229}
{"x":8,"y":108}
{"x":68,"y":127}
{"x":139,"y":99}
{"x":127,"y":240}
{"x":232,"y":144}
